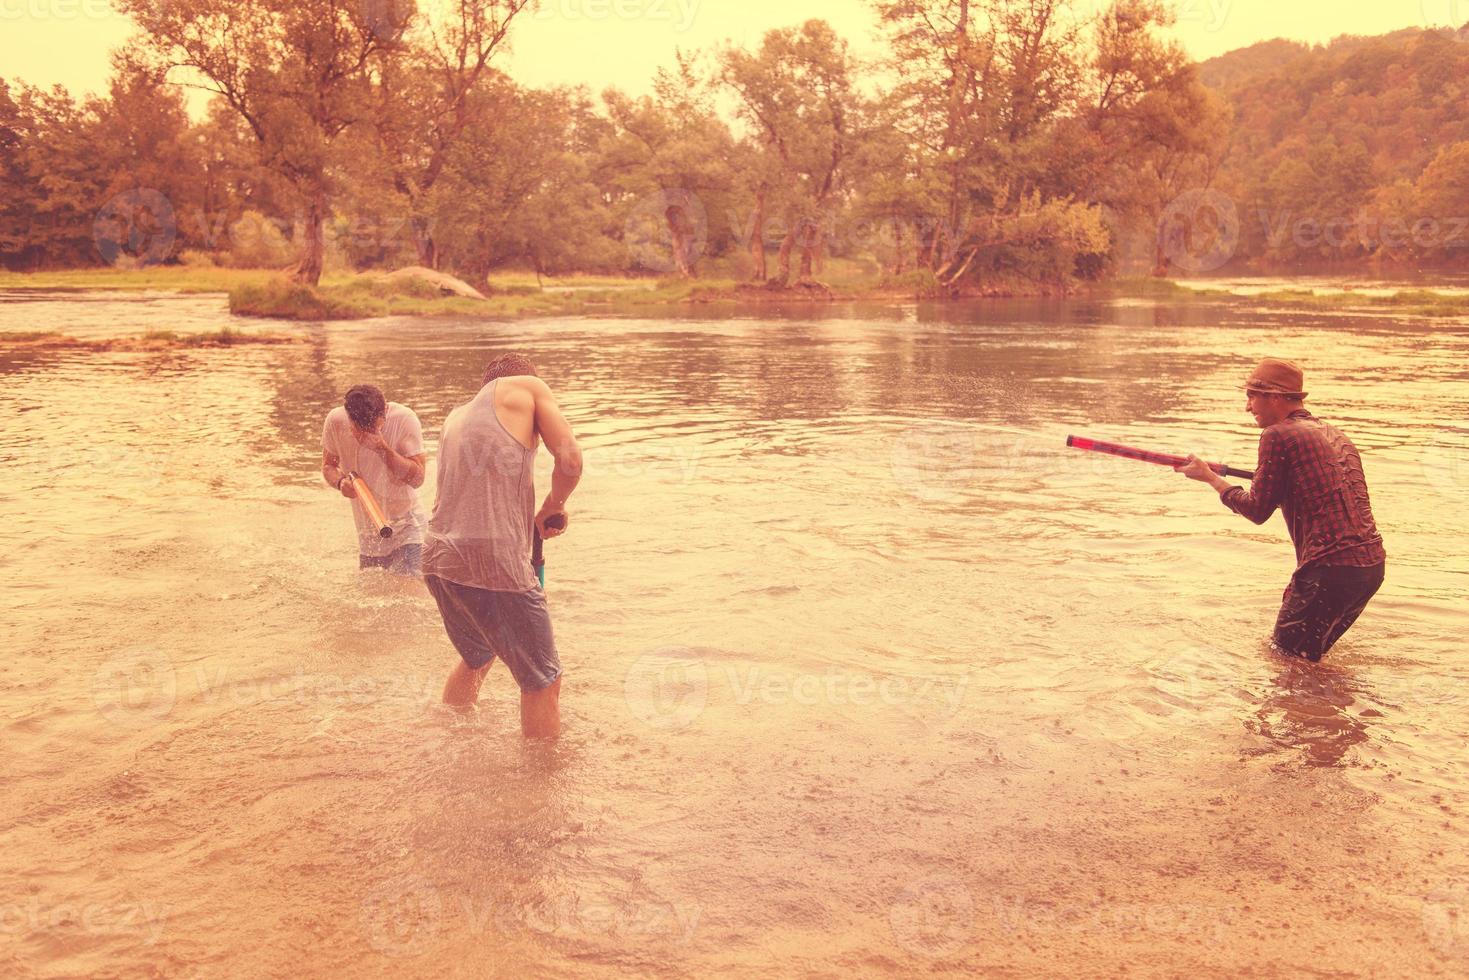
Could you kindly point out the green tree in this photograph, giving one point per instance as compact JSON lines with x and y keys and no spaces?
{"x":1442,"y":197}
{"x":796,"y":95}
{"x":17,"y":204}
{"x":148,"y":147}
{"x":421,"y":98}
{"x":294,"y":70}
{"x":1155,"y":131}
{"x":50,"y":210}
{"x":235,"y":183}
{"x":668,"y":161}
{"x":894,"y":193}
{"x":521,"y":186}
{"x":1328,"y":142}
{"x":988,"y":88}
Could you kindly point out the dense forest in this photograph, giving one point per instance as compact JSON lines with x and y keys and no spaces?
{"x":1001,"y":141}
{"x":1357,"y":150}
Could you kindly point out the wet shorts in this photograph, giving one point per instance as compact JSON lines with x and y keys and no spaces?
{"x":514,"y":626}
{"x":407,"y":560}
{"x":1320,"y":603}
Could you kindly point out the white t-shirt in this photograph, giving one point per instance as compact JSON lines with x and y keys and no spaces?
{"x":398,"y":500}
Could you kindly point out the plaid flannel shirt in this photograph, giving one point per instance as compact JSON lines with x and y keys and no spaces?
{"x":1313,"y":473}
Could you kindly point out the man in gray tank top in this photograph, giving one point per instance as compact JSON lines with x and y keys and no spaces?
{"x":477,"y":548}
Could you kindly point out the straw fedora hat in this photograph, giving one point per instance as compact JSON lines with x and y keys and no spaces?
{"x":1272,"y":376}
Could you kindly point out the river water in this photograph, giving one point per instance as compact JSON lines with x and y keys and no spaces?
{"x":866,"y":672}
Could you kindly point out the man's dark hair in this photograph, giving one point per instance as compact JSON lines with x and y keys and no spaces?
{"x":508,"y":366}
{"x":365,"y":405}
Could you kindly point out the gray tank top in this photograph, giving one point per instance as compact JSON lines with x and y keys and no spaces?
{"x":484,"y":513}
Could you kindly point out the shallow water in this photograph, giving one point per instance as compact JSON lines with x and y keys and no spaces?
{"x":866,"y":671}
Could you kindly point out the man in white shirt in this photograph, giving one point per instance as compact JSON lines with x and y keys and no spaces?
{"x":381,"y":442}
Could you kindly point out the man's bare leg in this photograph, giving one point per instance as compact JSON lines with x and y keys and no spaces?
{"x":540,"y":712}
{"x":462,"y":688}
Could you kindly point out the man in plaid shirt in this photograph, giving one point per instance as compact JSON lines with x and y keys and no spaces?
{"x":1313,"y":473}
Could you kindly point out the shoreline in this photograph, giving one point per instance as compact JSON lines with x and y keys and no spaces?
{"x":266,"y":294}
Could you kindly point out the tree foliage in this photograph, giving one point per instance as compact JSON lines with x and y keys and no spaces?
{"x":1343,"y":152}
{"x":1001,"y":141}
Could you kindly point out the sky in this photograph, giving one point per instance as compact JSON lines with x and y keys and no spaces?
{"x":601,"y":43}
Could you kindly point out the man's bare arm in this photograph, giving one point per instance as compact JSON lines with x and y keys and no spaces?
{"x":555,"y":432}
{"x":332,"y":472}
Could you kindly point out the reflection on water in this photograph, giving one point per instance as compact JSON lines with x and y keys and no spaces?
{"x":866,"y":672}
{"x":1308,"y":709}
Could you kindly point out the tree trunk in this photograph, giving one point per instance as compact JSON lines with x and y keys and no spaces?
{"x":424,"y":244}
{"x":678,"y":228}
{"x":757,"y":236}
{"x":898,"y":263}
{"x":1160,"y":262}
{"x":1170,"y":239}
{"x":928,"y":232}
{"x":810,"y":240}
{"x":313,"y":245}
{"x":783,"y":258}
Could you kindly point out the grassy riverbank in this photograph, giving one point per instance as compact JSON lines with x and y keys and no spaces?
{"x":1409,"y":302}
{"x":1405,"y":302}
{"x":151,"y":340}
{"x":371,"y":297}
{"x":268,"y":293}
{"x":344,"y":296}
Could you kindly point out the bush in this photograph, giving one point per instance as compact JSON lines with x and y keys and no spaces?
{"x":915,"y":282}
{"x":195,"y":259}
{"x":283,"y":299}
{"x":256,"y":242}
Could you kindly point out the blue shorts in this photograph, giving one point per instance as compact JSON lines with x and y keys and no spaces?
{"x":514,"y":626}
{"x":407,"y":560}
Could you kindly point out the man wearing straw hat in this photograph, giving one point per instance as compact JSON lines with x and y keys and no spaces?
{"x":381,"y":442}
{"x":1313,"y":473}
